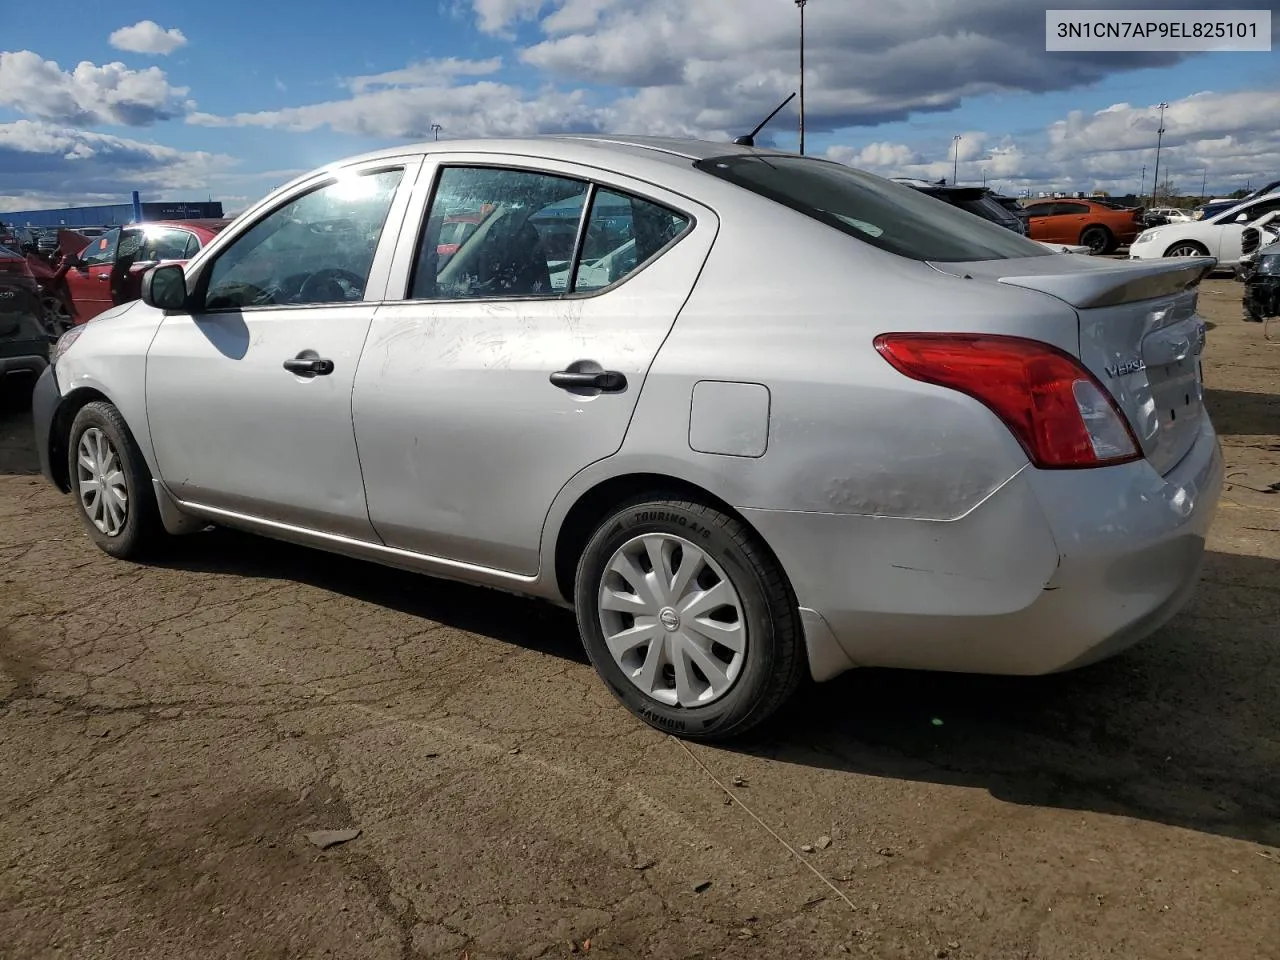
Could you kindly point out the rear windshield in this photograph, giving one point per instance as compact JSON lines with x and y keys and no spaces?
{"x":885,"y":214}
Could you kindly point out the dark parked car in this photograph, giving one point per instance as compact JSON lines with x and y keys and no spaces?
{"x":1211,"y":210}
{"x":24,"y":341}
{"x":976,"y":200}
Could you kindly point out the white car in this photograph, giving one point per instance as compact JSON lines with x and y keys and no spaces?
{"x":1173,"y":215}
{"x":1219,"y":236}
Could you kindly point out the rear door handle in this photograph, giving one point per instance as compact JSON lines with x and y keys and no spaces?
{"x":606,"y":381}
{"x":309,"y":367}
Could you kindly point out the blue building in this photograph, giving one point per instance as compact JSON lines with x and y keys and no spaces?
{"x":111,"y":215}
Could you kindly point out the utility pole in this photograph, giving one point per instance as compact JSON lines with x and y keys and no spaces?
{"x":1155,"y":180}
{"x":802,"y":4}
{"x":1142,"y":185}
{"x":955,"y":166}
{"x":435,"y":129}
{"x":1203,"y":180}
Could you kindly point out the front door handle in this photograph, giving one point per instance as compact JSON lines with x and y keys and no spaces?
{"x":309,"y":366}
{"x":606,"y":381}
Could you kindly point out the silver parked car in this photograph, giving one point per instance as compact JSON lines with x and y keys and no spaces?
{"x":754,"y":416}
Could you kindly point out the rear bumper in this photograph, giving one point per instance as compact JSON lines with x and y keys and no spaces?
{"x":44,"y":404}
{"x":31,"y":359}
{"x":1055,"y":570}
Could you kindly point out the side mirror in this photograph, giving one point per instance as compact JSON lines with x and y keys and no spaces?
{"x":1243,"y":218}
{"x":165,"y":287}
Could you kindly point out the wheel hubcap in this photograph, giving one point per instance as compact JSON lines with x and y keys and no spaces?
{"x":104,"y":496}
{"x":56,"y":318}
{"x":1185,"y":252}
{"x":672,"y":620}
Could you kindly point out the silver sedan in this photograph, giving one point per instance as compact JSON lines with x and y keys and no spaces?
{"x":756,"y":417}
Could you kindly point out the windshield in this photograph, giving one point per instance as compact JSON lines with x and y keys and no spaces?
{"x":877,"y":211}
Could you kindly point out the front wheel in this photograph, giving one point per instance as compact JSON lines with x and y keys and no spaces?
{"x":688,"y":619}
{"x":111,"y":483}
{"x":1187,"y":248}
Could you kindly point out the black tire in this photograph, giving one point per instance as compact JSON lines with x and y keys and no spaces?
{"x":142,"y":530}
{"x":1098,"y":239}
{"x":775,"y":662}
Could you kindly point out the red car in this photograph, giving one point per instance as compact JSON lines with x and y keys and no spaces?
{"x":107,"y":270}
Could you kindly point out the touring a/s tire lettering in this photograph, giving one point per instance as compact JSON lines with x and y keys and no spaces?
{"x":673,"y":673}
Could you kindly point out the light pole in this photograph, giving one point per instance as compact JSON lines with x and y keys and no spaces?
{"x":1203,"y":180}
{"x":955,"y":166}
{"x":1142,"y":185}
{"x":1155,"y":180}
{"x":435,"y":129}
{"x":802,"y":4}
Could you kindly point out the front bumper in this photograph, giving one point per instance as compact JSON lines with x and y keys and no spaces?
{"x":44,"y":404}
{"x":1262,"y":296}
{"x":1055,"y":570}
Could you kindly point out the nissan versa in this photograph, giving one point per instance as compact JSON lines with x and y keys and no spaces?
{"x":752,"y":415}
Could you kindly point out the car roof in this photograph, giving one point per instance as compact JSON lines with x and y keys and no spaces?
{"x":1250,"y":202}
{"x":627,"y":155}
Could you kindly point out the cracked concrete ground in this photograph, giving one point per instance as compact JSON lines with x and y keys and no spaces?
{"x":169,"y":733}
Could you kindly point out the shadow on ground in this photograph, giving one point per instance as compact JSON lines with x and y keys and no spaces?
{"x":1182,"y":730}
{"x":1237,"y":412}
{"x":518,"y":620}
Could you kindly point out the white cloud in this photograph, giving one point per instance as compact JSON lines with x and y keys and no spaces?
{"x":1226,"y":139}
{"x":147,"y":36}
{"x":405,"y":103}
{"x":89,"y":94}
{"x":718,"y":67}
{"x":496,"y":17}
{"x":426,"y":73}
{"x":45,"y":163}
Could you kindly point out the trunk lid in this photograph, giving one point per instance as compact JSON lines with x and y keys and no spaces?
{"x":1140,"y":335}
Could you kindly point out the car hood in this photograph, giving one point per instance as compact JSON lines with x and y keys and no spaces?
{"x":114,"y":312}
{"x":1183,"y":230}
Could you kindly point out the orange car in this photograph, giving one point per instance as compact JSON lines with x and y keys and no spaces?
{"x":1099,"y":226}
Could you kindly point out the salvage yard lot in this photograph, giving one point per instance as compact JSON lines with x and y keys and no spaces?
{"x":170,"y":733}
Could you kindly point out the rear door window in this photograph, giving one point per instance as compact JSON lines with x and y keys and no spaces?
{"x":516,"y":239}
{"x":623,"y":234}
{"x":878,"y":212}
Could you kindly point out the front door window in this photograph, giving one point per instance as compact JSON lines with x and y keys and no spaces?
{"x":316,"y":249}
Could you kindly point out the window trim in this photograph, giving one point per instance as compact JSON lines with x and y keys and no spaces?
{"x":524,"y":164}
{"x":198,"y":273}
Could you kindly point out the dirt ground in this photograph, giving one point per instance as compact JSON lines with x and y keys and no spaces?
{"x":170,"y":733}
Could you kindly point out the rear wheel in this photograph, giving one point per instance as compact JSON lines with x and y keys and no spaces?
{"x":111,"y":483}
{"x":688,"y":619}
{"x":1098,"y":239}
{"x":1187,"y":248}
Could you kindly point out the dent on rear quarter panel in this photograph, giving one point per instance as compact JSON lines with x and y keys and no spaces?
{"x":847,"y":434}
{"x":110,"y":356}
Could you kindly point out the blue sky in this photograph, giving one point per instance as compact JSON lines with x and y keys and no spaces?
{"x":244,"y":95}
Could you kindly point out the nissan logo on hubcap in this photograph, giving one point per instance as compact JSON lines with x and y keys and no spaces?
{"x":670,"y":619}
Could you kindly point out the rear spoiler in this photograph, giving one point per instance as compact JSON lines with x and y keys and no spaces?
{"x":1129,"y":282}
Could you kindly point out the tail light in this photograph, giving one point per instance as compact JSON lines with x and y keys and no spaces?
{"x":1058,"y":411}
